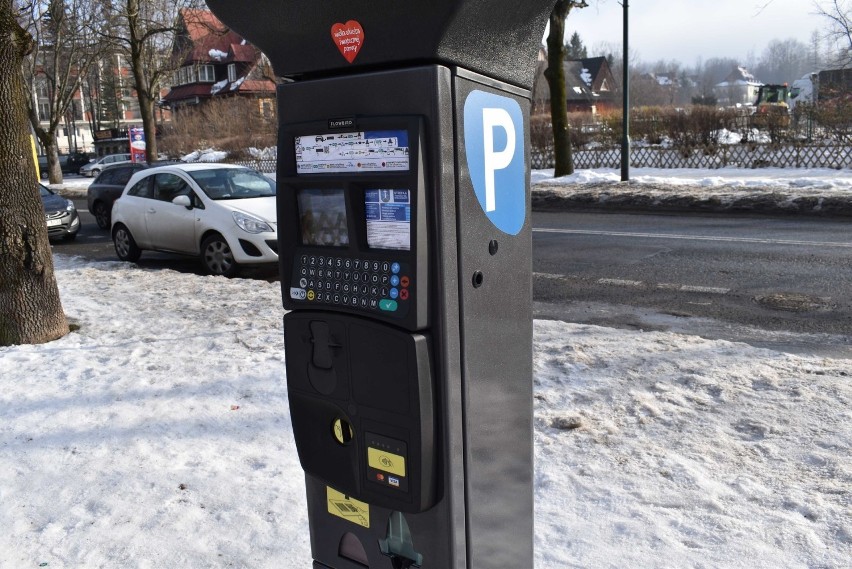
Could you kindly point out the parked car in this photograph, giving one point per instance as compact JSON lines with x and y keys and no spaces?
{"x":222,"y":213}
{"x":107,"y":188}
{"x":60,"y":215}
{"x":95,"y":167}
{"x":68,"y":163}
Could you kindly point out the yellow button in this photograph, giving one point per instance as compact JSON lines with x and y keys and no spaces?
{"x":386,"y":461}
{"x":311,"y":295}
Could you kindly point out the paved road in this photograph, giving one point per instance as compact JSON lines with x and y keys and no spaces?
{"x":783,"y":283}
{"x":775,"y":282}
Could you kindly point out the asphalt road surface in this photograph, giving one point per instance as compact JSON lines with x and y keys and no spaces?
{"x":781,"y":283}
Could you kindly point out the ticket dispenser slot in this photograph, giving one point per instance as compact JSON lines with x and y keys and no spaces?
{"x":358,"y":367}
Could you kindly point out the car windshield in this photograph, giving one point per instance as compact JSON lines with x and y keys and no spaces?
{"x":233,"y":183}
{"x":44,"y":191}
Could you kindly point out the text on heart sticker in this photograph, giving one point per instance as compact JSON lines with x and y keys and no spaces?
{"x":349,"y":38}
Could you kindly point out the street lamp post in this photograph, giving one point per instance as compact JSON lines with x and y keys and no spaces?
{"x":625,"y":130}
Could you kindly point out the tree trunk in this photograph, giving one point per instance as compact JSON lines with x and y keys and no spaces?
{"x":144,"y":88}
{"x":555,"y":75}
{"x":30,"y":308}
{"x":563,"y":153}
{"x":48,"y":142}
{"x":146,"y":109}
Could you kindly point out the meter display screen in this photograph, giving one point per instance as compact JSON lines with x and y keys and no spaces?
{"x":322,"y":217}
{"x":367,"y":151}
{"x":388,"y":214}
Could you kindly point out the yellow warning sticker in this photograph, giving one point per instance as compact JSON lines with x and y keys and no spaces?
{"x":347,"y":508}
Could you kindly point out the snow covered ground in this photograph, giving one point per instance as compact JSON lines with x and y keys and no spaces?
{"x":765,"y":190}
{"x":790,"y":179}
{"x":157,"y":435}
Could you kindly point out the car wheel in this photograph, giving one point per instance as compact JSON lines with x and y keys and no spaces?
{"x":94,"y":173}
{"x":102,"y":215}
{"x":217,"y":258}
{"x":125,"y":246}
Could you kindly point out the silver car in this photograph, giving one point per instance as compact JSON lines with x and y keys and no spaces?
{"x":59,"y":214}
{"x":94,"y":167}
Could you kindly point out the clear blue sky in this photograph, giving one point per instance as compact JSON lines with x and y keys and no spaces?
{"x":688,"y":29}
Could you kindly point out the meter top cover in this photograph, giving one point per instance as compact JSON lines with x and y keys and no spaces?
{"x":498,"y":38}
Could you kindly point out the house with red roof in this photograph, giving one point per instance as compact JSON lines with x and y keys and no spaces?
{"x":215,"y":61}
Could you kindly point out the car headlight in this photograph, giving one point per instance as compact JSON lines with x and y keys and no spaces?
{"x":250,"y":223}
{"x":69,"y":205}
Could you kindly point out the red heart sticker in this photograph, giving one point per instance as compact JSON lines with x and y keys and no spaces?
{"x":349,"y":38}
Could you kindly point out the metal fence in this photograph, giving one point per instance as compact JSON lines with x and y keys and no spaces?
{"x":709,"y":157}
{"x":265,"y":166}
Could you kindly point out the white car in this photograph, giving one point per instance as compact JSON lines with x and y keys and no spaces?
{"x":225,"y":214}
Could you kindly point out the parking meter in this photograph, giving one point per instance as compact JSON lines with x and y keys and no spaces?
{"x":405,"y":248}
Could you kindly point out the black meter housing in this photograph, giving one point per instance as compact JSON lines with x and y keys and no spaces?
{"x":405,"y":245}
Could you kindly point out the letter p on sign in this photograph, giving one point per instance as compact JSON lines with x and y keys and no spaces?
{"x":494,"y":146}
{"x":491,"y":119}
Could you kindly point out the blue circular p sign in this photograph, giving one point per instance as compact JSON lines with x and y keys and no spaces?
{"x":494,"y":145}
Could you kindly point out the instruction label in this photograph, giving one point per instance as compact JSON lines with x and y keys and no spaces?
{"x":369,"y":151}
{"x":347,"y":508}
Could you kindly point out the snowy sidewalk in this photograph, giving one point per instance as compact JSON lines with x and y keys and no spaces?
{"x":763,"y":191}
{"x":157,"y":435}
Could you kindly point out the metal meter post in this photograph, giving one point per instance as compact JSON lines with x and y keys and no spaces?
{"x":405,"y":246}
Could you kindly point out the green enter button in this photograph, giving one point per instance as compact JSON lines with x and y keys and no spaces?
{"x":388,"y":305}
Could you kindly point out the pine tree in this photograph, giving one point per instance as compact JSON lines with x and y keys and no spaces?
{"x":575,"y":49}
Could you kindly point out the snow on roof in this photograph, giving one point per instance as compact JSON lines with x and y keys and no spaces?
{"x":217,"y":55}
{"x":586,"y":76}
{"x":236,"y":84}
{"x":218,"y":86}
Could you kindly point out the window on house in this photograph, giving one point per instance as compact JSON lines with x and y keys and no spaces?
{"x":43,"y":110}
{"x":232,"y":72}
{"x":206,"y":74}
{"x":187,"y":74}
{"x":41,"y":90}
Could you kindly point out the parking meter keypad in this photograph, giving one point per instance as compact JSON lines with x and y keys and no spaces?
{"x":364,"y":284}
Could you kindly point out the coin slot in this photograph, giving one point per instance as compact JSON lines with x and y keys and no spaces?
{"x":342,"y":431}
